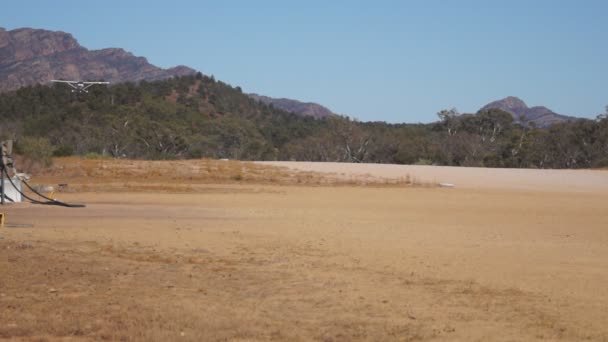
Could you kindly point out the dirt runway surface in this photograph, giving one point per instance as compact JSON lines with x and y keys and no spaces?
{"x":248,"y":262}
{"x":464,"y":177}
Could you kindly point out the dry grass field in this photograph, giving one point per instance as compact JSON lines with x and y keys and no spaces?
{"x":223,"y":250}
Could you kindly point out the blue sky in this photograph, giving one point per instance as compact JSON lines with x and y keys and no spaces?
{"x":395,"y":61}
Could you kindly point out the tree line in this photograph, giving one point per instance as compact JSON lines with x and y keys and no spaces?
{"x":200,"y":117}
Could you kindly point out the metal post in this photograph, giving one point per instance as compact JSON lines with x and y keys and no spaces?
{"x":2,"y":181}
{"x":6,"y":160}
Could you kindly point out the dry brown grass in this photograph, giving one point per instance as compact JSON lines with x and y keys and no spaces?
{"x":90,"y":291}
{"x":191,"y":175}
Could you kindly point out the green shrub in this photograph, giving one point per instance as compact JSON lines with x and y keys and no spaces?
{"x":423,"y":161}
{"x":35,"y":149}
{"x":64,"y":151}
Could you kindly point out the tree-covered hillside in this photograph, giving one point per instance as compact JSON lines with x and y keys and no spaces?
{"x":197,"y":116}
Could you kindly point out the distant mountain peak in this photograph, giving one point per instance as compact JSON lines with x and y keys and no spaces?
{"x":513,"y":102}
{"x":539,"y":115}
{"x":30,"y":56}
{"x":293,"y":106}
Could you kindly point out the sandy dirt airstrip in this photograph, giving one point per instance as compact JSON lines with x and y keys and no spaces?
{"x":212,"y":250}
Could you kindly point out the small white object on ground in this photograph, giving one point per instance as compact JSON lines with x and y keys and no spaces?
{"x":446,"y":185}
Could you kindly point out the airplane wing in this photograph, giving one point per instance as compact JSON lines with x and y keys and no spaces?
{"x":80,"y":86}
{"x":76,"y":82}
{"x":70,"y":83}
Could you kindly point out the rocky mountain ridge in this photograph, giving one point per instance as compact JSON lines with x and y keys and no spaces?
{"x":33,"y":56}
{"x":539,"y":115}
{"x":303,"y":108}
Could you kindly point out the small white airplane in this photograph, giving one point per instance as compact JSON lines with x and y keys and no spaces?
{"x":79,"y":86}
